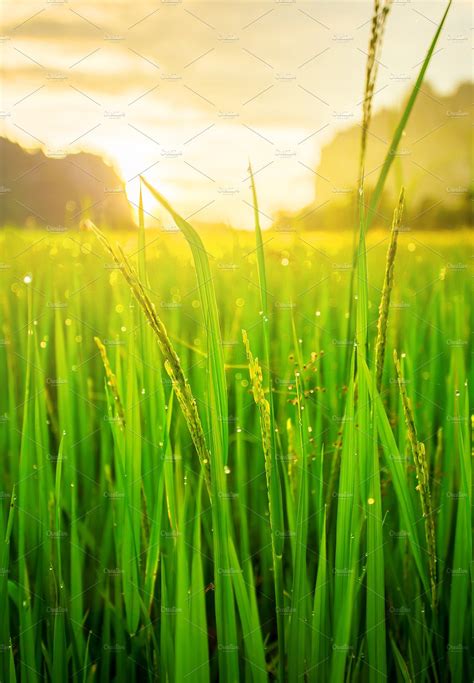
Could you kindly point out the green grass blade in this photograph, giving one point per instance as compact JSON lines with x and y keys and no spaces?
{"x":318,"y":667}
{"x":141,"y":240}
{"x":347,"y":541}
{"x":298,"y":626}
{"x":217,"y":419}
{"x":400,"y":662}
{"x":274,"y":481}
{"x":462,"y":557}
{"x":209,"y":305}
{"x":393,"y":459}
{"x":375,"y":600}
{"x":198,"y":628}
{"x":251,"y":629}
{"x":6,"y":656}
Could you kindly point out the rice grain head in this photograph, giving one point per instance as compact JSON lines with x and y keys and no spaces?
{"x":172,"y":364}
{"x":384,"y":307}
{"x":423,"y":478}
{"x":379,"y":17}
{"x":111,"y":381}
{"x":292,"y":454}
{"x":262,"y":403}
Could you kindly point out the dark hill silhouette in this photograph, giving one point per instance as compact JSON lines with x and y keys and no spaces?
{"x":58,"y":193}
{"x":434,"y":163}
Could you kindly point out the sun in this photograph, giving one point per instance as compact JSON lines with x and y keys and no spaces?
{"x":131,"y":163}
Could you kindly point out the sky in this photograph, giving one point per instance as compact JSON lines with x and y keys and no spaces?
{"x":187,"y":93}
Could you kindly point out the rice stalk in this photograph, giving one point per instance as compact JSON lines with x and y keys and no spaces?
{"x":172,"y":364}
{"x":263,"y":405}
{"x":422,"y":475}
{"x":112,"y":381}
{"x":379,"y":17}
{"x":275,"y":505}
{"x":381,"y":341}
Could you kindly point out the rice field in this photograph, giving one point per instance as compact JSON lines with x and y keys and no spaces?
{"x":240,"y":456}
{"x":119,"y":563}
